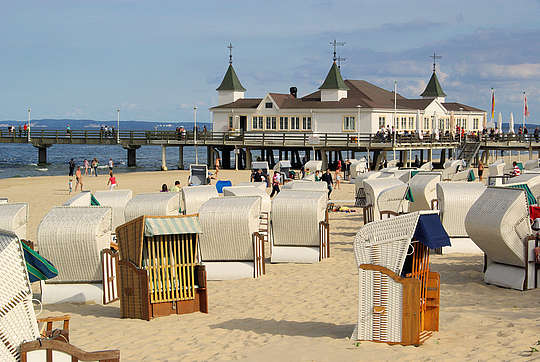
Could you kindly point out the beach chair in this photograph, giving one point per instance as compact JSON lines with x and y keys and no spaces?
{"x":159,"y":272}
{"x":310,"y":167}
{"x":283,"y":167}
{"x":83,"y":198}
{"x":266,"y":204}
{"x":372,"y":189}
{"x":423,"y":189}
{"x":14,"y":218}
{"x":465,"y":175}
{"x":531,"y":164}
{"x":117,"y":200}
{"x":74,"y":239}
{"x":300,"y":231}
{"x":450,"y":168}
{"x":496,"y":173}
{"x":358,"y":167}
{"x":532,"y":180}
{"x":231,"y":246}
{"x":393,"y":200}
{"x":154,"y":204}
{"x":259,"y":185}
{"x":359,"y":193}
{"x":19,"y":330}
{"x":498,"y":222}
{"x":428,"y":166}
{"x":198,"y":175}
{"x":192,"y":197}
{"x":260,"y":165}
{"x":306,"y":185}
{"x":398,"y":294}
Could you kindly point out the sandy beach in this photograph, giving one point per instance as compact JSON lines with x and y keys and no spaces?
{"x":295,"y":312}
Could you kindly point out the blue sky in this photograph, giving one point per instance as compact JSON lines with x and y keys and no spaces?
{"x":156,"y":59}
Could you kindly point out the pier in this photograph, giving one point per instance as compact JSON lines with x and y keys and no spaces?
{"x":327,"y":147}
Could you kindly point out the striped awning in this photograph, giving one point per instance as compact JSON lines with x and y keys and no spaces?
{"x":171,"y":225}
{"x":37,"y":266}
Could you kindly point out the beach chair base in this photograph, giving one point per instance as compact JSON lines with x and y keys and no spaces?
{"x":295,"y":254}
{"x":229,"y":270}
{"x":71,"y":293}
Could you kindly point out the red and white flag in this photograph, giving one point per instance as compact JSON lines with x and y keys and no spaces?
{"x":526,"y":108}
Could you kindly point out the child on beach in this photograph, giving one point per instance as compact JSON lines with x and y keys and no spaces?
{"x":78,"y":177}
{"x":70,"y":184}
{"x":112,"y":181}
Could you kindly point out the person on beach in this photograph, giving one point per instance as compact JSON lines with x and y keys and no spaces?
{"x":86,"y":166}
{"x":516,"y":171}
{"x":275,"y":184}
{"x":112,"y":181}
{"x":258,"y":176}
{"x":111,"y":164}
{"x":70,"y":185}
{"x":164,"y":188}
{"x":71,"y":167}
{"x":217,"y":165}
{"x":95,"y":164}
{"x":176,"y":187}
{"x":78,"y":178}
{"x":327,"y":177}
{"x":480,"y":170}
{"x":317,"y":176}
{"x":338,"y":178}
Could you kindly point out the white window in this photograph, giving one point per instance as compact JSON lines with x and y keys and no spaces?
{"x":295,"y":122}
{"x":382,"y":122}
{"x":257,"y":122}
{"x":464,"y":123}
{"x":348,"y":123}
{"x":284,"y":122}
{"x":270,"y":122}
{"x":268,"y":105}
{"x":426,"y":123}
{"x":231,"y":122}
{"x":441,"y":123}
{"x":458,"y":122}
{"x":403,"y":122}
{"x":475,"y":123}
{"x":306,"y":123}
{"x":411,"y":123}
{"x":447,"y":123}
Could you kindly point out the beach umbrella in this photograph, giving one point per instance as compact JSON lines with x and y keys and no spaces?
{"x":418,"y":125}
{"x":436,"y":127}
{"x":37,"y":266}
{"x":511,"y":125}
{"x":499,"y":122}
{"x":452,"y":123}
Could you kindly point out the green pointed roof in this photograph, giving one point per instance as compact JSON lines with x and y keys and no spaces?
{"x":433,"y":88}
{"x":231,"y":82}
{"x":333,"y":79}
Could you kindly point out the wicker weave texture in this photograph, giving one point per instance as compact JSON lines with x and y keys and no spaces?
{"x":228,"y":224}
{"x":357,"y":167}
{"x":461,"y":176}
{"x":423,"y":189}
{"x":306,"y":186}
{"x":260,"y":185}
{"x":531,"y":164}
{"x":313,"y":166}
{"x":266,"y":202}
{"x":496,"y":168}
{"x":392,"y":199}
{"x":17,"y":319}
{"x":498,"y":223}
{"x":296,"y":215}
{"x":194,"y":196}
{"x":81,"y":199}
{"x":72,"y":238}
{"x":152,"y":204}
{"x":117,"y":201}
{"x":455,"y":200}
{"x":14,"y":218}
{"x":359,"y":180}
{"x":428,"y":166}
{"x":532,"y":180}
{"x":374,"y":187}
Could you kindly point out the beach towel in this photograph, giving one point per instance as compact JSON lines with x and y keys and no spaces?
{"x":221,"y":184}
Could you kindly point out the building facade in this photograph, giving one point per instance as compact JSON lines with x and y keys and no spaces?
{"x":341,"y":106}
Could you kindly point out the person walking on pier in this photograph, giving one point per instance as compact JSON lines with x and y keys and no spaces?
{"x":71,"y":167}
{"x":78,"y":178}
{"x":327,"y":177}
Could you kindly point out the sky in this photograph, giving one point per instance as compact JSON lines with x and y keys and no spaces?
{"x":156,"y":60}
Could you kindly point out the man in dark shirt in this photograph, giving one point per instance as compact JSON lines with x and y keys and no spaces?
{"x":327,"y":177}
{"x":71,"y":167}
{"x":258,"y":177}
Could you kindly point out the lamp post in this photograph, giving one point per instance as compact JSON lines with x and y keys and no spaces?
{"x":195,"y":134}
{"x":358,"y":124}
{"x":28,"y":128}
{"x":395,"y":121}
{"x":461,"y":123}
{"x":118,"y":125}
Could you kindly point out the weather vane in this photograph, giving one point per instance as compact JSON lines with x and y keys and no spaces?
{"x":339,"y":60}
{"x":435,"y":57}
{"x":230,"y":53}
{"x":335,"y":44}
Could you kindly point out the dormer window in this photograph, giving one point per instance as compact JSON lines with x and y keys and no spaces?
{"x":269,"y":105}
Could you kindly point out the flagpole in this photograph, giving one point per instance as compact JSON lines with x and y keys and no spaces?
{"x":524,"y":112}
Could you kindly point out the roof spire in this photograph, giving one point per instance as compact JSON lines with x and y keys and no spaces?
{"x":335,"y":44}
{"x":334,"y":80}
{"x":230,"y":52}
{"x":435,"y":57}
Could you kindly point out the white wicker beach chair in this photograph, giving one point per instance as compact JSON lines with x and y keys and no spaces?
{"x":260,"y":185}
{"x":531,"y":164}
{"x":230,"y":244}
{"x":392,"y":163}
{"x":14,"y":218}
{"x":496,"y":171}
{"x":372,"y":190}
{"x":306,"y":185}
{"x":117,"y":200}
{"x":460,"y":176}
{"x":393,"y":199}
{"x":192,"y":197}
{"x":402,"y":175}
{"x":498,"y":222}
{"x":299,"y":229}
{"x":423,"y":189}
{"x":451,"y":167}
{"x":17,"y":318}
{"x":310,"y":167}
{"x":72,"y":239}
{"x":283,"y":167}
{"x":428,"y":166}
{"x":358,"y":166}
{"x":359,"y":193}
{"x":83,"y":198}
{"x":153,"y":204}
{"x":454,"y":201}
{"x":531,"y":179}
{"x":198,"y":175}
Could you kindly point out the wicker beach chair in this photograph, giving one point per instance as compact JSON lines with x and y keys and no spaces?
{"x":398,"y":294}
{"x":192,"y":197}
{"x":259,"y":185}
{"x":359,"y":193}
{"x":423,"y":190}
{"x":159,"y":272}
{"x":496,"y":173}
{"x":14,"y":218}
{"x":73,"y":238}
{"x":532,"y":180}
{"x":372,"y":189}
{"x":531,"y":164}
{"x":393,"y":200}
{"x":306,"y":185}
{"x":312,"y":166}
{"x":450,"y":168}
{"x":19,"y":330}
{"x":231,"y":246}
{"x":154,"y":204}
{"x":283,"y":167}
{"x":498,"y":222}
{"x":428,"y":166}
{"x":117,"y":200}
{"x":83,"y":198}
{"x":261,"y":165}
{"x":462,"y":176}
{"x":299,"y":229}
{"x":358,"y":167}
{"x":198,"y":175}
